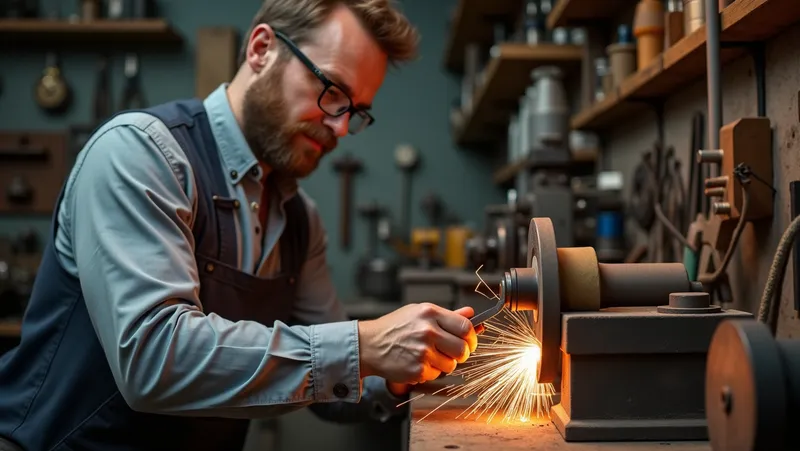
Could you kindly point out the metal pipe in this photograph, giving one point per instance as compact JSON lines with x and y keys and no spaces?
{"x":641,"y":284}
{"x":714,"y":76}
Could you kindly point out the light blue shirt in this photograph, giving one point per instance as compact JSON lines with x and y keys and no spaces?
{"x":125,"y":230}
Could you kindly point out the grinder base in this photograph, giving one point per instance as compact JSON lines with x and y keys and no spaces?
{"x":635,"y":374}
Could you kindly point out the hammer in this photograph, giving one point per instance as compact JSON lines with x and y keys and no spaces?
{"x":346,"y":166}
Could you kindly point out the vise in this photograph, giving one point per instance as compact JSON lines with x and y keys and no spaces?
{"x":626,"y":342}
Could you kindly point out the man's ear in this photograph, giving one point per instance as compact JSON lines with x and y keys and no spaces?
{"x":261,"y":48}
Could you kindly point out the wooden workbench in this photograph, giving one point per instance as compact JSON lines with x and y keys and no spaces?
{"x":441,"y":431}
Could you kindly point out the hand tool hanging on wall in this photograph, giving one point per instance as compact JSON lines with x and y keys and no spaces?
{"x":132,"y":95}
{"x":347,"y":167}
{"x":52,"y":92}
{"x":407,"y":159}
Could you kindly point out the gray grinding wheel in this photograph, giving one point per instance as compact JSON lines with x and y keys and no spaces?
{"x":543,"y":258}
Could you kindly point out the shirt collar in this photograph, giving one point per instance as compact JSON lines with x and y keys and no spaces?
{"x":236,"y":155}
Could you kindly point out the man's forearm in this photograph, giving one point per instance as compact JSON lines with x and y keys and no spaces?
{"x":192,"y":364}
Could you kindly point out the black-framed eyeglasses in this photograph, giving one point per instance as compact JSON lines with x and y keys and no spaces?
{"x":333,"y":100}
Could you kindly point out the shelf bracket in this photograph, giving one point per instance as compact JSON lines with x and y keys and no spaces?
{"x":757,"y":52}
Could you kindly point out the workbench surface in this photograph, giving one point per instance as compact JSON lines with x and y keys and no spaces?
{"x":442,"y":430}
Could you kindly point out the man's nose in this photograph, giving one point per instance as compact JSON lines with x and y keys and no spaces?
{"x":338,"y":124}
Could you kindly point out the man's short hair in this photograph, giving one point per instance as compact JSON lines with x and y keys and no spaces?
{"x":297,"y":19}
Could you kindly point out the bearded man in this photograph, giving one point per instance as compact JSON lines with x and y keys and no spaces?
{"x":184,"y":288}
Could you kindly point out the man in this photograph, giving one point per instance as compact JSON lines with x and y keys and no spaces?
{"x":184,"y":289}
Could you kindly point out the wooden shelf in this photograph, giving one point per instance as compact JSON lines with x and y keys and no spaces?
{"x":10,"y":328}
{"x":743,"y":21}
{"x":505,"y":175}
{"x":507,"y":76}
{"x":579,"y":12}
{"x":473,"y":21}
{"x":19,"y":33}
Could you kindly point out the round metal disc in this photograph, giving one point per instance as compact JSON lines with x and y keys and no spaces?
{"x":745,"y":388}
{"x":543,"y":256}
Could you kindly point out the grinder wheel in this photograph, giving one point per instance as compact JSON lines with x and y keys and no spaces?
{"x":745,"y":390}
{"x":543,"y":257}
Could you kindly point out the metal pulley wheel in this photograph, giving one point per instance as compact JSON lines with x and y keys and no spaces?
{"x":752,"y":389}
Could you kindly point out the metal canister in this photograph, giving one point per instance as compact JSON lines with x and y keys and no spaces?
{"x":550,"y":110}
{"x":694,"y":15}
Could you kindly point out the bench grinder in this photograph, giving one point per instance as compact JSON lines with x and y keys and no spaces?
{"x":627,"y":341}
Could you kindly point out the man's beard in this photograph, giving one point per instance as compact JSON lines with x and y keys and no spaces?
{"x":266,"y":130}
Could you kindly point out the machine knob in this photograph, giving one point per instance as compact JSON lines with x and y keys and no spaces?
{"x":710,"y":156}
{"x":715,"y":192}
{"x":721,"y":208}
{"x":717,"y":182}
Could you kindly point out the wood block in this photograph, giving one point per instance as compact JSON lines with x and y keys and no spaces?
{"x":748,"y":141}
{"x":215,"y":58}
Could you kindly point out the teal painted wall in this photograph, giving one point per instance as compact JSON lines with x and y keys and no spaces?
{"x":412,"y":107}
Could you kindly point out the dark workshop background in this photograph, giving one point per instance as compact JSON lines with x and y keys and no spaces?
{"x":412,"y":108}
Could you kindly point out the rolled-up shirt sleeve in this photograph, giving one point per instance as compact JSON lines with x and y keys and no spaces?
{"x":317,"y":303}
{"x":128,"y":214}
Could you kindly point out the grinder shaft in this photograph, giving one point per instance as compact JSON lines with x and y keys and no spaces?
{"x":611,"y":285}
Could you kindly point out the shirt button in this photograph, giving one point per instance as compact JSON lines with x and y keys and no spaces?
{"x":210,"y":267}
{"x":254,"y":172}
{"x":254,"y":206}
{"x":236,"y":204}
{"x":234,"y":174}
{"x":340,"y":390}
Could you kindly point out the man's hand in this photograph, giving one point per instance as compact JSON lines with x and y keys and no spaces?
{"x":398,"y":390}
{"x":416,"y":343}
